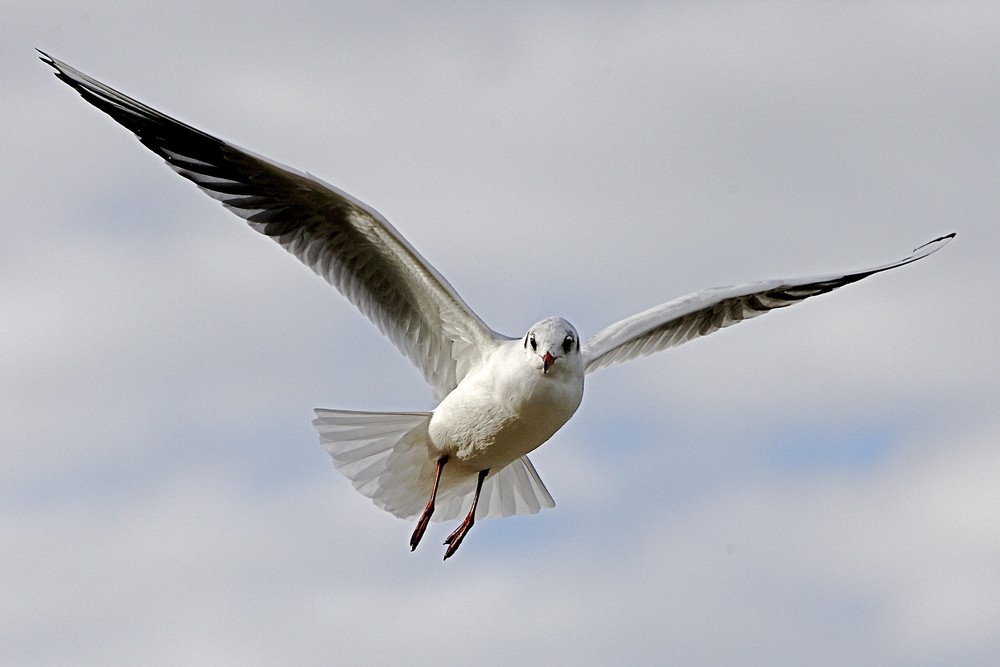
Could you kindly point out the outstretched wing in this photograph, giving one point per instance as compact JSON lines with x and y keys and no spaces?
{"x":702,"y":313}
{"x":343,"y":240}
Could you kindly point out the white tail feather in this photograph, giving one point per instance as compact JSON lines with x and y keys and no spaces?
{"x":388,"y":456}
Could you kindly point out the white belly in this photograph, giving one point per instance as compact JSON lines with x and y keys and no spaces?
{"x":496,"y":416}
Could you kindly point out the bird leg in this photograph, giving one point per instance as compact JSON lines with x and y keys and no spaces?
{"x":425,"y":518}
{"x":455,"y":539}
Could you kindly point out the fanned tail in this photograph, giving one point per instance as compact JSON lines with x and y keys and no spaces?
{"x":515,"y":489}
{"x":389,"y":457}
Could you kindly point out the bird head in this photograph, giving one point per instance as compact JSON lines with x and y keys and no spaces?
{"x":553,"y":340}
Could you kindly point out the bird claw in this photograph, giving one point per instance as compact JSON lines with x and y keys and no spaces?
{"x":418,"y":532}
{"x":454,"y":540}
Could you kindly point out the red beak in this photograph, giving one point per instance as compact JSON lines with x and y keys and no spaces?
{"x":547,"y":361}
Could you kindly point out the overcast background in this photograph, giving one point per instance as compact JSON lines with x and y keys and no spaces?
{"x":820,"y":486}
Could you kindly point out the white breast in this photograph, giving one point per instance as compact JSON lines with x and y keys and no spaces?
{"x":505,"y":409}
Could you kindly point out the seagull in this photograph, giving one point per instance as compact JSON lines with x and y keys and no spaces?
{"x":500,"y":397}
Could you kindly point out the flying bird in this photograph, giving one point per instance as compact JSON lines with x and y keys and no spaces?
{"x":500,"y":397}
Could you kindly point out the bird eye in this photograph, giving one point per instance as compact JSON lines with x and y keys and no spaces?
{"x":531,"y":341}
{"x":568,"y":344}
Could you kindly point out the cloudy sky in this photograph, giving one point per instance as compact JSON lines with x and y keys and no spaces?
{"x":820,"y":486}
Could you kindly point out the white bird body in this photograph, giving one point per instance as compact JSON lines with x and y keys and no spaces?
{"x":500,"y":397}
{"x":509,"y":406}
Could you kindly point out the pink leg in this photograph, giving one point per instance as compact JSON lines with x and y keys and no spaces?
{"x":425,"y":518}
{"x":455,"y":539}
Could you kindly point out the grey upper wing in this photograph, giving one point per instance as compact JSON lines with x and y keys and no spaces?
{"x":701,"y":313}
{"x":346,"y":242}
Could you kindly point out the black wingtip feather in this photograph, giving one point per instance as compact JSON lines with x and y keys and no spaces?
{"x":946,"y":237}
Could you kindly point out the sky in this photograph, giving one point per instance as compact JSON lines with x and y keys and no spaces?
{"x":818,"y":486}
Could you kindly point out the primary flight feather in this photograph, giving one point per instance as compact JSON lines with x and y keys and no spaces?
{"x":500,"y":397}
